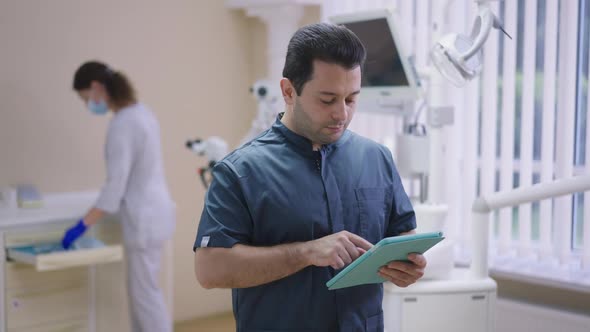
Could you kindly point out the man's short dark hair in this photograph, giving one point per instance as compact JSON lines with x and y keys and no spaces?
{"x":325,"y":42}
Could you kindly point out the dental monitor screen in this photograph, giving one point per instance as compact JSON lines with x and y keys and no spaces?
{"x":389,"y":83}
{"x":383,"y":66}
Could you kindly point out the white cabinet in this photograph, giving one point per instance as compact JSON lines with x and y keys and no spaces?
{"x":459,"y":304}
{"x":80,"y":290}
{"x":43,"y":303}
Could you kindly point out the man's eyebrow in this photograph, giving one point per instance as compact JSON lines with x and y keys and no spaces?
{"x":328,"y":93}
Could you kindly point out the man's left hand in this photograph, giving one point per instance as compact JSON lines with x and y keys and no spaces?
{"x":403,"y":274}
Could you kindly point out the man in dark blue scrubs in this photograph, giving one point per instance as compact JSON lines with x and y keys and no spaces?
{"x":291,"y":208}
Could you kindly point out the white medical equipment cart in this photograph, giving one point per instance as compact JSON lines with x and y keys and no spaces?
{"x":80,"y":290}
{"x":459,"y":304}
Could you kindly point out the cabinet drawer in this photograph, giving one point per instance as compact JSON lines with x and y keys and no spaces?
{"x":23,"y":276}
{"x":49,"y":303}
{"x":65,"y":259}
{"x":80,"y":326}
{"x":470,"y":312}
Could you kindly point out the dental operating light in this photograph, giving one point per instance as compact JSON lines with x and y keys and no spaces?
{"x":458,"y":57}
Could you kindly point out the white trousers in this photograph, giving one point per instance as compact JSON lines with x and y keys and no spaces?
{"x":147,"y":307}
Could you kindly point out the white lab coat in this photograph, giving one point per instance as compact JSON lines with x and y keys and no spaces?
{"x":136,"y":188}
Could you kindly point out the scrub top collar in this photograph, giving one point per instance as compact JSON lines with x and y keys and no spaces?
{"x":128,"y":107}
{"x":303,"y":144}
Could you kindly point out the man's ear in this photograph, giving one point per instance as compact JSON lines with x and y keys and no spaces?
{"x":288,"y":91}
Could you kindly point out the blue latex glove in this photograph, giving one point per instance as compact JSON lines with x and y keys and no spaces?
{"x":73,"y":233}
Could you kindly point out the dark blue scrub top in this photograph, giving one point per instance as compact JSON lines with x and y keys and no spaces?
{"x":276,"y":190}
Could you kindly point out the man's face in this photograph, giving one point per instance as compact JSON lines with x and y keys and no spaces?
{"x":326,"y":105}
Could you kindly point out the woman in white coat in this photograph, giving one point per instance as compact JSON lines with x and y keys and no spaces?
{"x":135,"y":188}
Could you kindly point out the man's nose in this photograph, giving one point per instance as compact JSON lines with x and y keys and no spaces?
{"x":340,"y":112}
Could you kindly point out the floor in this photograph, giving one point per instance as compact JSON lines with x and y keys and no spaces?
{"x":218,"y":323}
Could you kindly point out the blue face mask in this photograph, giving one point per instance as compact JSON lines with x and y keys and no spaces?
{"x":99,"y":108}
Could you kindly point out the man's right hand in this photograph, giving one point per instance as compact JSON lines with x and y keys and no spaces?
{"x":337,"y":250}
